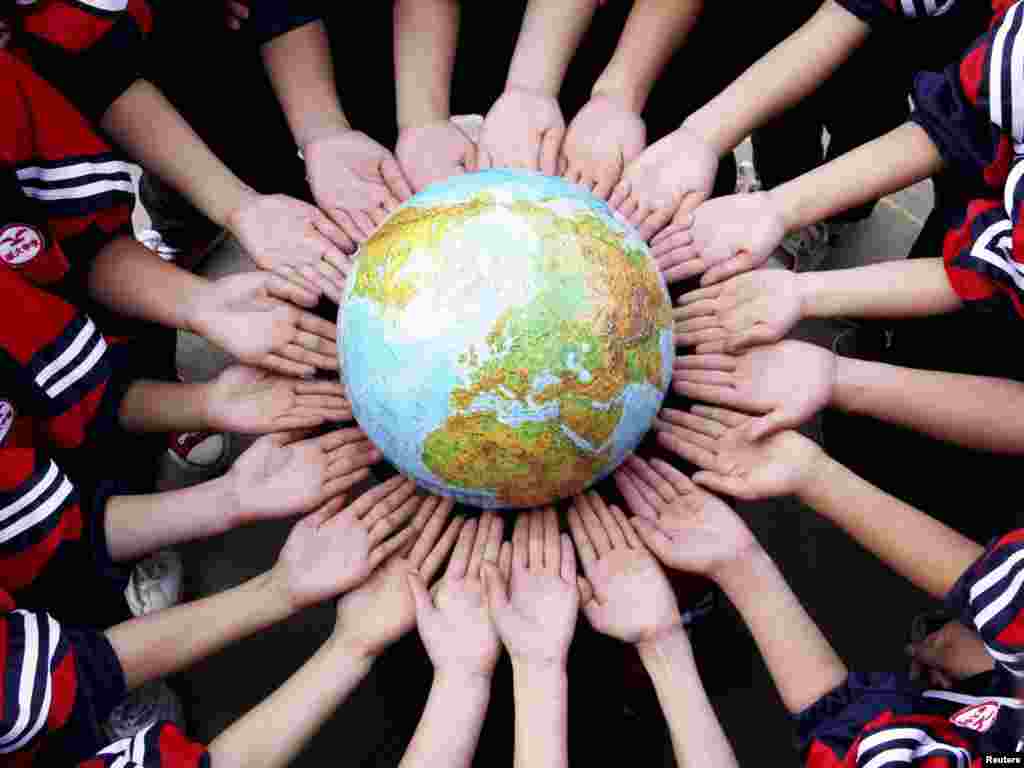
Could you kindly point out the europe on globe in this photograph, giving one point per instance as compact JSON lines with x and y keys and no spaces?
{"x":504,"y":339}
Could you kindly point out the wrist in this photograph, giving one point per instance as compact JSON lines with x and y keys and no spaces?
{"x":707,"y":126}
{"x":627,"y":95}
{"x":658,"y":646}
{"x":744,"y":572}
{"x":462,"y":679}
{"x":317,"y":130}
{"x":196,"y":312}
{"x":344,"y":644}
{"x":245,"y":198}
{"x":536,"y":672}
{"x":780,"y":203}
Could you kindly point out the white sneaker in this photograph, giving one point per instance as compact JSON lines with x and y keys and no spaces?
{"x":154,"y":241}
{"x":205,"y":451}
{"x":156,"y":583}
{"x":144,"y":706}
{"x":747,"y":180}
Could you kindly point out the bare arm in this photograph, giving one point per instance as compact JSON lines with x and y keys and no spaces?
{"x":697,"y":736}
{"x":979,"y":412}
{"x":654,"y":31}
{"x":799,"y":657}
{"x":447,"y":734}
{"x":909,"y":288}
{"x":892,"y":162}
{"x":275,"y":731}
{"x":926,"y":552}
{"x":301,"y":70}
{"x":426,"y":34}
{"x":149,"y":129}
{"x":781,"y":78}
{"x":542,"y":715}
{"x":550,"y":34}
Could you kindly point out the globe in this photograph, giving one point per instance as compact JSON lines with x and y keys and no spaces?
{"x":505,"y":340}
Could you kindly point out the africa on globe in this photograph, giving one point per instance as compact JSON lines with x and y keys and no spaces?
{"x":505,"y":340}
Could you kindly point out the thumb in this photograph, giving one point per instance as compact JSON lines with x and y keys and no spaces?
{"x":741,"y":262}
{"x":766,"y":425}
{"x":586,"y":590}
{"x":424,"y":604}
{"x":549,"y":146}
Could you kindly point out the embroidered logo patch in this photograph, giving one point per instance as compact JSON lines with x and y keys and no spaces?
{"x":6,"y":419}
{"x":19,"y":243}
{"x":977,"y":717}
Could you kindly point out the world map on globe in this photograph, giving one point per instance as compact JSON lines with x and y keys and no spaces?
{"x":504,"y":339}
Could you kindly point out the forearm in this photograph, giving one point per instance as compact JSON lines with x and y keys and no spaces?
{"x":892,"y":162}
{"x":133,"y":281}
{"x":275,"y":731}
{"x":164,"y":406}
{"x":542,"y":716}
{"x":697,"y":736}
{"x":892,"y":289}
{"x":139,"y":524}
{"x":162,"y":643}
{"x":918,"y":547}
{"x":654,"y":30}
{"x":978,"y":412}
{"x":551,"y":32}
{"x":781,"y":78}
{"x":450,"y":726}
{"x":426,"y":34}
{"x":152,"y":132}
{"x":302,"y":73}
{"x":799,"y":657}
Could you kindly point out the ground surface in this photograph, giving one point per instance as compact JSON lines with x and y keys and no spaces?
{"x":830,"y":574}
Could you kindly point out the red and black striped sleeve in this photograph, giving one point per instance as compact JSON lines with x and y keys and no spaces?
{"x":875,"y":11}
{"x":161,"y":745}
{"x":989,"y":596}
{"x":91,"y":50}
{"x":57,"y":686}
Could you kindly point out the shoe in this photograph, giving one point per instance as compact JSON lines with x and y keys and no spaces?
{"x":146,"y":705}
{"x":155,"y":583}
{"x":154,"y":241}
{"x":747,"y":180}
{"x":808,"y":247}
{"x":204,"y":450}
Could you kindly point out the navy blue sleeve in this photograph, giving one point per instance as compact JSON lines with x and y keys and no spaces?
{"x":272,"y":18}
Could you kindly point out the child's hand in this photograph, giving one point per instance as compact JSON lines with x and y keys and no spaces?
{"x":536,"y":615}
{"x":789,"y":382}
{"x":625,"y":593}
{"x":253,"y":317}
{"x":728,"y":235}
{"x":355,"y":180}
{"x":716,"y":441}
{"x":283,"y":474}
{"x":602,"y":139}
{"x":455,"y":625}
{"x":334,"y":549}
{"x":380,"y":611}
{"x":295,"y":240}
{"x":685,"y":526}
{"x":949,"y":654}
{"x":434,"y":152}
{"x":666,"y":182}
{"x":759,"y":307}
{"x":251,"y":401}
{"x":236,"y":13}
{"x":523,"y":129}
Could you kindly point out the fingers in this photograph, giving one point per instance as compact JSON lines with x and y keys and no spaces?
{"x":386,"y":506}
{"x":776,"y":421}
{"x":387,"y":525}
{"x":388,"y":547}
{"x":681,"y":484}
{"x":596,"y":533}
{"x":337,"y":238}
{"x":536,"y":558}
{"x":588,"y":555}
{"x":655,"y":222}
{"x":632,"y":540}
{"x":287,"y":290}
{"x":654,"y":537}
{"x":741,"y":262}
{"x":552,"y":549}
{"x":493,"y":544}
{"x":654,"y":481}
{"x":629,"y":486}
{"x":521,"y":542}
{"x":676,"y":442}
{"x":367,"y":501}
{"x":550,"y":143}
{"x":425,"y":608}
{"x":723,"y":416}
{"x":723,"y":484}
{"x":437,"y":555}
{"x":324,"y":329}
{"x":395,"y":180}
{"x":327,"y":512}
{"x":480,"y":543}
{"x":619,"y":194}
{"x":279,"y":364}
{"x":725,"y":363}
{"x":567,"y":566}
{"x":608,"y":521}
{"x":459,"y":561}
{"x":586,"y":590}
{"x":432,"y":528}
{"x":504,"y":561}
{"x":497,"y":598}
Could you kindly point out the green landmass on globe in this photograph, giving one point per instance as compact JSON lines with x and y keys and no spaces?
{"x":532,"y":330}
